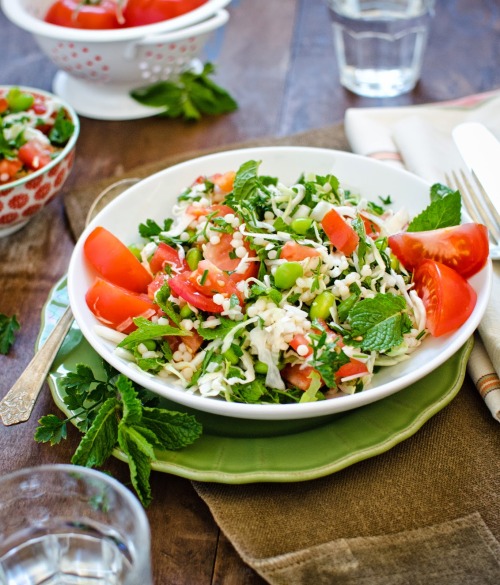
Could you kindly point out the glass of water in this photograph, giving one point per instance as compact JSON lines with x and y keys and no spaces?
{"x":380,"y":44}
{"x":69,"y":525}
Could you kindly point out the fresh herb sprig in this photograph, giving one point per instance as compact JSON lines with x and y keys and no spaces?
{"x":8,"y":328}
{"x":190,"y":96}
{"x":113,"y":412}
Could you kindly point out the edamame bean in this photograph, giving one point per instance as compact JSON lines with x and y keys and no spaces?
{"x":301,"y":225}
{"x":18,"y":100}
{"x":231,"y":356}
{"x":186,"y":312}
{"x":193,"y":258}
{"x":320,"y":307}
{"x":287,"y":273}
{"x":135,"y":251}
{"x":150,"y":344}
{"x":261,"y":368}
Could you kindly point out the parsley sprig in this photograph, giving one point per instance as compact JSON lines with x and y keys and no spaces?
{"x":190,"y":96}
{"x":113,"y":412}
{"x":8,"y":328}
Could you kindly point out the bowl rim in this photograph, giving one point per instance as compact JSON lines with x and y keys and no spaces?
{"x":259,"y":411}
{"x":16,"y":13}
{"x":67,"y":148}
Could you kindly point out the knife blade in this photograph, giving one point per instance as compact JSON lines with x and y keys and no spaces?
{"x":480,"y":150}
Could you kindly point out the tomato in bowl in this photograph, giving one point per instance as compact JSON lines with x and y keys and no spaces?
{"x":38,"y":134}
{"x":141,"y":203}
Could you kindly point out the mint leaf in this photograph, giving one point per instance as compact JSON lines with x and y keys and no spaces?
{"x":173,"y":430}
{"x":51,"y":428}
{"x":132,"y":407}
{"x":246,"y":181}
{"x":378,"y":324}
{"x":100,"y":440}
{"x":445,"y":210}
{"x":211,"y":333}
{"x":140,"y":454}
{"x":147,"y":330}
{"x":190,"y":96}
{"x":8,"y":327}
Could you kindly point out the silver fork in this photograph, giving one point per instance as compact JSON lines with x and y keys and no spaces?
{"x":478,"y":206}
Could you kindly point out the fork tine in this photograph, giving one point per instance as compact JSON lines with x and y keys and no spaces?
{"x":474,"y":204}
{"x":485,"y":198}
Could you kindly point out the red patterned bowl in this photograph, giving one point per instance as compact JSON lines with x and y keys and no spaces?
{"x":21,"y":199}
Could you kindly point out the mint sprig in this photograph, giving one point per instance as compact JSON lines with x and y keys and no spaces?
{"x":115,"y":413}
{"x":190,"y":96}
{"x":444,"y":210}
{"x":378,"y":323}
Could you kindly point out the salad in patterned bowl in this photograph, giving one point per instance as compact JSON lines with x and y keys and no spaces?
{"x":279,"y":282}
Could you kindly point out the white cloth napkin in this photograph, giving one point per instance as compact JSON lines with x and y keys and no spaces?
{"x":418,"y":138}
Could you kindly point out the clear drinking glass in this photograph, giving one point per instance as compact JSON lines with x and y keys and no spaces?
{"x":380,"y":44}
{"x":70,"y":525}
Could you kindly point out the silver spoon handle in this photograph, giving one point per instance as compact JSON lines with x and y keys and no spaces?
{"x":19,"y":401}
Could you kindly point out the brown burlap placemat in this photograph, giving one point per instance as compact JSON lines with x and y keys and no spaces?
{"x":424,"y":513}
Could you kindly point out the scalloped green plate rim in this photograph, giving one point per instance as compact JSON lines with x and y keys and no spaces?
{"x":291,"y":454}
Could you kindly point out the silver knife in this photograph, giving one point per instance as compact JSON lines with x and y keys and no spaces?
{"x":481,"y":153}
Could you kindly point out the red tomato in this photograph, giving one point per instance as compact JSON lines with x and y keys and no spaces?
{"x":299,"y":340}
{"x":339,"y":232}
{"x":181,"y":286}
{"x":35,"y":155}
{"x":139,"y":12}
{"x":352,"y":368}
{"x":294,"y":252}
{"x":372,"y":229}
{"x":219,"y":254}
{"x":115,"y":306}
{"x":463,"y":247}
{"x":4,"y":104}
{"x":209,"y":280}
{"x":297,"y":375}
{"x":157,"y":282}
{"x":165,"y":254}
{"x":225,"y":182}
{"x":448,"y":298}
{"x":212,"y":210}
{"x":114,"y":261}
{"x":102,"y":14}
{"x":8,"y":169}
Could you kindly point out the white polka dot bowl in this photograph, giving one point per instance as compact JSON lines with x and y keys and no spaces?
{"x":22,"y":198}
{"x":99,"y":68}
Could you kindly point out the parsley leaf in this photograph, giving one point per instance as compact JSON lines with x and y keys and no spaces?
{"x":189,"y":97}
{"x":114,"y":412}
{"x":8,"y":327}
{"x":62,"y":130}
{"x":378,"y":323}
{"x":444,"y":210}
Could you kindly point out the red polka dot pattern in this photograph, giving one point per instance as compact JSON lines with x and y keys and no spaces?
{"x":19,"y":203}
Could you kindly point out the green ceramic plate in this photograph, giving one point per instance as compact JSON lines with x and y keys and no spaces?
{"x":237,"y":452}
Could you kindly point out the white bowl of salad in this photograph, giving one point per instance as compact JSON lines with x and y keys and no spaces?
{"x":279,"y":283}
{"x":38,"y":134}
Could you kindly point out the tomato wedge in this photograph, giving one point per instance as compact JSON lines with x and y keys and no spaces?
{"x":165,"y":254}
{"x":448,"y":298}
{"x":219,"y":254}
{"x":297,"y":375}
{"x":35,"y":155}
{"x":339,"y":232}
{"x":209,"y":280}
{"x":115,"y":306}
{"x":296,"y":252}
{"x":181,"y":286}
{"x":463,"y":247}
{"x":114,"y":261}
{"x":352,"y":368}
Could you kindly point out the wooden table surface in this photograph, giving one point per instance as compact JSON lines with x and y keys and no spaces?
{"x":276,"y":57}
